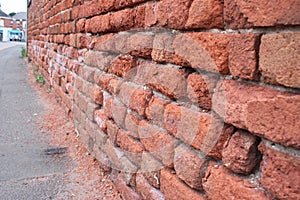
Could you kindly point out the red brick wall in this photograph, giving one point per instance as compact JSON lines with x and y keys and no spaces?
{"x":179,"y":99}
{"x":7,"y":22}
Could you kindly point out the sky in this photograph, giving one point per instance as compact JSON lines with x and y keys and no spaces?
{"x":9,"y":6}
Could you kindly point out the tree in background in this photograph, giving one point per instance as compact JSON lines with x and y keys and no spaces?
{"x":12,"y":14}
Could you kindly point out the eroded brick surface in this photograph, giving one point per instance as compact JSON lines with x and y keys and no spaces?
{"x":279,"y":56}
{"x":245,"y":14}
{"x":219,"y":183}
{"x":266,"y":112}
{"x":173,"y":188}
{"x":280,"y":166}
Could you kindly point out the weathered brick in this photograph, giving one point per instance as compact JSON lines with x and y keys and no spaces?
{"x":82,"y":102}
{"x":122,"y":20}
{"x":100,"y":138}
{"x":98,"y":24}
{"x":87,"y":73}
{"x":219,"y":183}
{"x":205,"y":14}
{"x":71,"y":53}
{"x":68,"y":27}
{"x":139,"y":100}
{"x":199,"y":48}
{"x":98,"y":59}
{"x":243,"y":51}
{"x":106,"y":5}
{"x":108,"y":101}
{"x":90,"y":110}
{"x":83,"y":41}
{"x":102,"y":80}
{"x":202,"y":131}
{"x":173,"y":188}
{"x":91,"y":127}
{"x":150,"y":17}
{"x":168,"y":80}
{"x":86,"y":138}
{"x":119,"y":112}
{"x":132,"y":148}
{"x":89,"y":90}
{"x":132,"y":124}
{"x":164,"y":52}
{"x":155,"y":110}
{"x":113,"y":86}
{"x":279,"y":59}
{"x":266,"y":112}
{"x":280,"y":172}
{"x":222,"y":140}
{"x":172,"y":118}
{"x":159,"y":144}
{"x":98,"y":96}
{"x":127,"y":192}
{"x":150,"y":166}
{"x":189,"y":166}
{"x":112,"y":43}
{"x":146,"y":190}
{"x":112,"y":131}
{"x":118,"y":4}
{"x":73,"y":40}
{"x":63,"y":84}
{"x":80,"y":26}
{"x":258,"y":13}
{"x":70,"y":89}
{"x":101,"y":119}
{"x":168,"y":13}
{"x":76,"y":112}
{"x":114,"y":155}
{"x":122,"y":65}
{"x":139,"y":19}
{"x":200,"y":89}
{"x":234,"y":17}
{"x":125,"y":142}
{"x":241,"y":153}
{"x":85,"y":10}
{"x":79,"y":83}
{"x":140,"y":44}
{"x":134,"y":97}
{"x":102,"y":159}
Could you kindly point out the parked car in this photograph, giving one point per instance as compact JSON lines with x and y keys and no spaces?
{"x":15,"y":35}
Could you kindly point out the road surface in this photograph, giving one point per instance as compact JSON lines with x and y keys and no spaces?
{"x":26,"y":172}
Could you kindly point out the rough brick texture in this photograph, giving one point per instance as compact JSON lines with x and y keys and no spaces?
{"x":175,"y":188}
{"x":219,"y":183}
{"x":241,"y":154}
{"x":179,"y":99}
{"x":246,"y":14}
{"x":276,"y":166}
{"x":266,"y":112}
{"x":279,"y":59}
{"x":146,"y":190}
{"x":189,"y":166}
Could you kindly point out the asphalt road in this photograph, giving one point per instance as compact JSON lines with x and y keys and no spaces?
{"x":26,"y":172}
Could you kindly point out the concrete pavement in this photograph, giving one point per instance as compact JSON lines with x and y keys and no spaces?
{"x":5,"y":45}
{"x":26,"y":172}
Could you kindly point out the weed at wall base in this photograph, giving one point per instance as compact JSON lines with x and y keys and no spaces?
{"x":40,"y":78}
{"x":24,"y":52}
